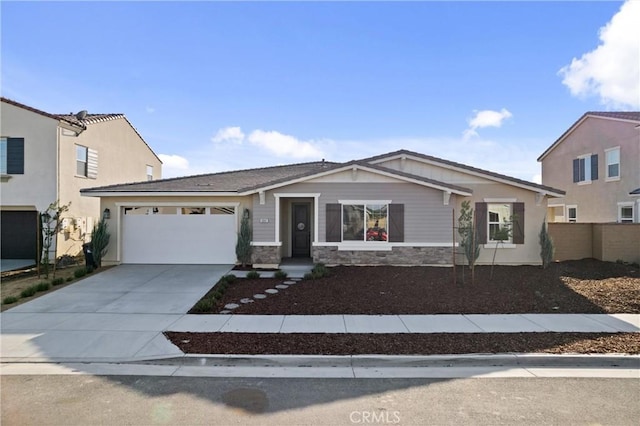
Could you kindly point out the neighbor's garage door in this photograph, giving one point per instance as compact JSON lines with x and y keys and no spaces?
{"x":187,"y":235}
{"x":19,"y":234}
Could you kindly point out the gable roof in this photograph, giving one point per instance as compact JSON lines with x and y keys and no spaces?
{"x":467,"y":169}
{"x":251,"y":181}
{"x":80,"y":124}
{"x":631,"y":116}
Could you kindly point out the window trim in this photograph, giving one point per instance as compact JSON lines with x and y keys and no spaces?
{"x":364,"y":204}
{"x":490,"y":242}
{"x":86,"y":162}
{"x":606,"y":164}
{"x":568,"y":210}
{"x":624,"y":204}
{"x":582,"y":159}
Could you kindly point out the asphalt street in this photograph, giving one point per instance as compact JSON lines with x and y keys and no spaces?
{"x":150,"y":400}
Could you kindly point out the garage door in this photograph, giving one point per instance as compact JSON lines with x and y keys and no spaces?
{"x":174,"y":235}
{"x":19,"y":234}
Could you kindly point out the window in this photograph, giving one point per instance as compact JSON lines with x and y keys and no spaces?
{"x":81,"y":160}
{"x":364,"y":221}
{"x":11,"y":156}
{"x":499,"y":222}
{"x":572,"y":213}
{"x":585,"y":168}
{"x":613,"y":163}
{"x":149,"y":172}
{"x":625,"y":212}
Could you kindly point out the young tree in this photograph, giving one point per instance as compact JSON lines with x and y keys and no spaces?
{"x":469,"y":240}
{"x":51,"y":223}
{"x":99,"y":241}
{"x":547,"y":248}
{"x":243,"y":246}
{"x":502,"y":234}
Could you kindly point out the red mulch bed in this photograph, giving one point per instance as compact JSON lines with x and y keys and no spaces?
{"x":403,"y":344}
{"x":585,"y":286}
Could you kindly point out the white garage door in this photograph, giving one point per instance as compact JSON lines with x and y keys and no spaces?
{"x":185,"y":235}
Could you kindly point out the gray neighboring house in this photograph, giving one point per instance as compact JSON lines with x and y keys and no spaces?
{"x":597,"y":162}
{"x":396,"y":208}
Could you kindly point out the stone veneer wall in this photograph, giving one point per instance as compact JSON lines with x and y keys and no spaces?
{"x":397,"y":256}
{"x":266,"y":255}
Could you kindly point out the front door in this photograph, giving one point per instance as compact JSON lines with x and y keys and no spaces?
{"x":301,"y":241}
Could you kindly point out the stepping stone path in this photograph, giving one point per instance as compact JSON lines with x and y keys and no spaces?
{"x":271,"y":291}
{"x":259,"y":296}
{"x":247,"y":300}
{"x":289,"y":282}
{"x":225,"y":312}
{"x":231,"y":306}
{"x":282,"y":286}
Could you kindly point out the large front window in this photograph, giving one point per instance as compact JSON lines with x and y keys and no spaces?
{"x":500,"y":220}
{"x":364,"y":222}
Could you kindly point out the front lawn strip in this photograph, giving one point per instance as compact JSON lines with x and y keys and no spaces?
{"x":403,"y":343}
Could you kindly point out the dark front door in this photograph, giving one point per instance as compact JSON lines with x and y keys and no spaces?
{"x":301,"y":241}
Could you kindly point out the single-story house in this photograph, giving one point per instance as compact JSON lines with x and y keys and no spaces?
{"x":398,"y":208}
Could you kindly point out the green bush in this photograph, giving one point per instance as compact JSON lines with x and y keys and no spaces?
{"x":99,"y":241}
{"x":216,"y":296}
{"x":89,"y":269}
{"x":57,"y":281}
{"x":28,"y":292}
{"x":281,"y":275}
{"x":253,"y":275}
{"x":230,"y":278}
{"x":43,"y":286}
{"x":9,"y":300}
{"x":69,"y":279}
{"x":319,"y":271}
{"x":80,"y":272}
{"x":308,"y":276}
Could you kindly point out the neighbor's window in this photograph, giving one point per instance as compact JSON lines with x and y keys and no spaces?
{"x":3,"y":156}
{"x":11,"y":156}
{"x":613,"y":163}
{"x":149,"y":172}
{"x":572,"y":213}
{"x":625,"y":213}
{"x":585,"y":168}
{"x":364,"y":222}
{"x":500,"y":222}
{"x":81,"y":160}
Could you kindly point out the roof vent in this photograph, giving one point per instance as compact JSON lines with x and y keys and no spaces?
{"x":82,"y":114}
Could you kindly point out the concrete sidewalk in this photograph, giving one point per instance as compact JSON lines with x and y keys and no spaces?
{"x":463,"y":323}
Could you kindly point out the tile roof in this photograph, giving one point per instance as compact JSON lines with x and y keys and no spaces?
{"x":89,"y":118}
{"x":232,"y":181}
{"x":616,"y":115}
{"x":466,"y":168}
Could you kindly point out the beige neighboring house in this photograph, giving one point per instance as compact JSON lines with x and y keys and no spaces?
{"x":597,"y":162}
{"x":47,"y":157}
{"x":396,"y":208}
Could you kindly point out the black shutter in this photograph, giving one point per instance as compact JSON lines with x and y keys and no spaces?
{"x":594,"y":167}
{"x":518,"y":223}
{"x":15,"y":156}
{"x":576,"y":170}
{"x":481,"y":222}
{"x":396,"y":223}
{"x":334,"y":217}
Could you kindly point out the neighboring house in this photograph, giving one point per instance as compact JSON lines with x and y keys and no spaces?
{"x":395,"y":208}
{"x":597,"y":163}
{"x":47,"y":157}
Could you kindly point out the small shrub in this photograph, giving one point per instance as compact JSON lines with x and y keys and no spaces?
{"x":28,"y":292}
{"x":57,"y":281}
{"x":319,"y":271}
{"x":9,"y":300}
{"x":253,"y":275}
{"x":203,"y":305}
{"x":69,"y":279}
{"x":308,"y":276}
{"x":216,"y":296}
{"x":230,"y":278}
{"x":80,"y":272}
{"x":89,"y":269}
{"x":43,"y":286}
{"x":281,"y":275}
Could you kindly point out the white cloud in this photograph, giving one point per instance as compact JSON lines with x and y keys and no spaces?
{"x":284,"y":145}
{"x":229,"y":134}
{"x":173,"y":165}
{"x":486,"y":118}
{"x":612,"y":70}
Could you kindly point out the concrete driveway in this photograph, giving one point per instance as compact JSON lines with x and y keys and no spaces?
{"x":118,"y":314}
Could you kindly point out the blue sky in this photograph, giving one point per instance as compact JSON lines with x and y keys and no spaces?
{"x":217,"y":86}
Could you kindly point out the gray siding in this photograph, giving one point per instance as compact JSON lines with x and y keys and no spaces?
{"x":427,"y":220}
